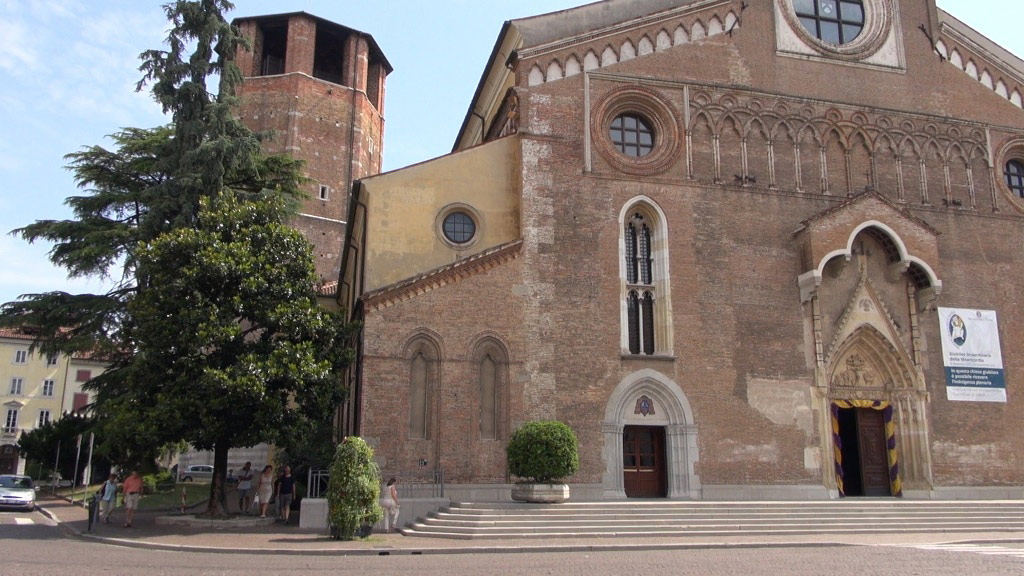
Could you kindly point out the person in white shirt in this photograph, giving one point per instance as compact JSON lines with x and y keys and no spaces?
{"x":245,"y":476}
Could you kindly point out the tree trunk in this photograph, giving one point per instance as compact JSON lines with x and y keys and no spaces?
{"x":217,"y":506}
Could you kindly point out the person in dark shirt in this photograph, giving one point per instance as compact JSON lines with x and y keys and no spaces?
{"x":285,"y":493}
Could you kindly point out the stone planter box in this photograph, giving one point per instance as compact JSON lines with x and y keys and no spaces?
{"x":540,"y":493}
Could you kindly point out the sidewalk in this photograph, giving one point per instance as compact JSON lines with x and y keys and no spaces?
{"x":281,"y":539}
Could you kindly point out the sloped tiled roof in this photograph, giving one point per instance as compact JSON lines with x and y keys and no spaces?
{"x":15,"y":334}
{"x":862,"y":197}
{"x":448,"y":274}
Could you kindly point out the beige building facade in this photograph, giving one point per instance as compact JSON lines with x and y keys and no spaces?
{"x":37,"y":389}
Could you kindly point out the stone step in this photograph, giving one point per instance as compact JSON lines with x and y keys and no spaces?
{"x":659,"y":518}
{"x":697,"y":516}
{"x":859,"y":504}
{"x":721,"y":521}
{"x":415,"y":531}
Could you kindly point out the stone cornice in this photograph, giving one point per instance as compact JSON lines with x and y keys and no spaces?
{"x":953,"y":32}
{"x":593,"y":35}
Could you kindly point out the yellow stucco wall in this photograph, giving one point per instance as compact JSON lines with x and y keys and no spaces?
{"x":405,"y":208}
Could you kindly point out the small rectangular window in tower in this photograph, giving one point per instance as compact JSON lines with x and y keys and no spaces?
{"x":325,"y":192}
{"x":275,"y":48}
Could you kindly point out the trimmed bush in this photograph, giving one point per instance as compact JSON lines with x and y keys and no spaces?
{"x":543,"y":452}
{"x":353,"y":490}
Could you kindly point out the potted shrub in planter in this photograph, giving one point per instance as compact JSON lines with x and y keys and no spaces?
{"x":353,"y":490}
{"x":542,"y":453}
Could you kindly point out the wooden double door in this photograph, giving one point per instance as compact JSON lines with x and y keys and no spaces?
{"x":864,"y":451}
{"x":643,"y":461}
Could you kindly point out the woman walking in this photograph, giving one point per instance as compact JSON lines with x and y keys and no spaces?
{"x":265,"y":488}
{"x":389,"y":502}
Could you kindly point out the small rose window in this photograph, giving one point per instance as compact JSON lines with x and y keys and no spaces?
{"x":459,"y":227}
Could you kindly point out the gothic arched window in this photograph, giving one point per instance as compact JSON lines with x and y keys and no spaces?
{"x":645,"y":322}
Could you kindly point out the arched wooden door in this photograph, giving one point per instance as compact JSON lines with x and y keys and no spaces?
{"x":643,"y":461}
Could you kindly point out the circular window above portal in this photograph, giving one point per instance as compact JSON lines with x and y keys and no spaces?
{"x":1014,"y":174}
{"x":632,"y":135}
{"x":1010,"y":157}
{"x":850,"y":30}
{"x":835,"y":22}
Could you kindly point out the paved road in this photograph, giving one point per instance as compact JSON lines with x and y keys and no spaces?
{"x":33,"y":545}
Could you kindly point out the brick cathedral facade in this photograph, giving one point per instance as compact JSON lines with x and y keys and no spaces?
{"x":716,"y":238}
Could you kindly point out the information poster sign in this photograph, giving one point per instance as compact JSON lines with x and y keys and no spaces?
{"x":972,"y":355}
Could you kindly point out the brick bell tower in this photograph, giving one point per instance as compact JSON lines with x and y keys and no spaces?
{"x":319,"y":87}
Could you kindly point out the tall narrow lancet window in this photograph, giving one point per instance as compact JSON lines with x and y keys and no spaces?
{"x":419,"y":405}
{"x":646,"y":322}
{"x":633,"y":313}
{"x":640,"y":277}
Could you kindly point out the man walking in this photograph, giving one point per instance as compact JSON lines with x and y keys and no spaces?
{"x":285,"y":494}
{"x":132,"y":495}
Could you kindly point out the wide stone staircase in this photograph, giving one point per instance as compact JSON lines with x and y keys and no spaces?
{"x":643,"y":518}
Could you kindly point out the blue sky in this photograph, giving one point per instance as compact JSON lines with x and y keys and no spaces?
{"x":68,"y":69}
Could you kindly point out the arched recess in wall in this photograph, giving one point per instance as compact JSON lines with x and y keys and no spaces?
{"x":887,"y":180}
{"x":422,"y":355}
{"x":669,"y":408}
{"x":490,"y":361}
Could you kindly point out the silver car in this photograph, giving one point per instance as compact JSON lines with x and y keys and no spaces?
{"x":17,"y":492}
{"x":198,"y":473}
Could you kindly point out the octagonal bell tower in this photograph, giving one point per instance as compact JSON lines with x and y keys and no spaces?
{"x":318,"y":87}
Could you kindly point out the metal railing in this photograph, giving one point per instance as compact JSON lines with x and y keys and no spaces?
{"x":411,"y":484}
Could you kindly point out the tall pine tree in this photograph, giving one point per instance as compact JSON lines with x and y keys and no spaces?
{"x":144,"y":196}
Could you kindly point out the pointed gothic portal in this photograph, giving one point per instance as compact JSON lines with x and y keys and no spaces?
{"x":862,"y":460}
{"x":643,"y":461}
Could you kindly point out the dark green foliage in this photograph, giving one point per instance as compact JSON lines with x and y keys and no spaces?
{"x":41,"y":443}
{"x":543,"y":452}
{"x":157,"y":482}
{"x":354,"y":489}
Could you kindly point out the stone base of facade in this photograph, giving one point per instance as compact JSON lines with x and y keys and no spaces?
{"x":313,"y":514}
{"x":774,"y":493}
{"x":967,"y":493}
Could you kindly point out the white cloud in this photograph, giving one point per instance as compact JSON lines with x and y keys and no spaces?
{"x":16,"y":51}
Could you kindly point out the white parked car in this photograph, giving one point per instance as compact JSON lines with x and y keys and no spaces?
{"x":17,"y":492}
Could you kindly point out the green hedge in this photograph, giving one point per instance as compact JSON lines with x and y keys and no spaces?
{"x":353,"y":489}
{"x":543,"y":452}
